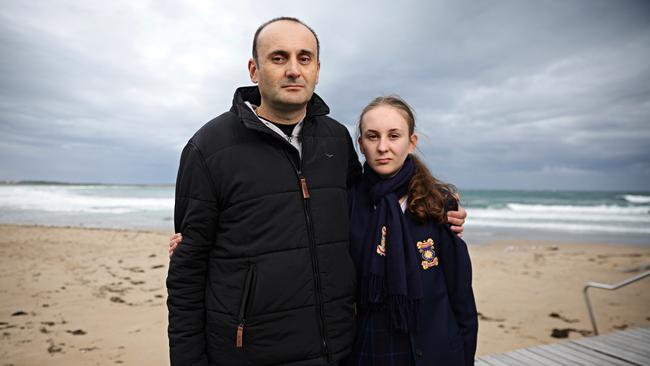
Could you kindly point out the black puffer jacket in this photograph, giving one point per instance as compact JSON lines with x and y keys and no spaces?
{"x":263,"y":275}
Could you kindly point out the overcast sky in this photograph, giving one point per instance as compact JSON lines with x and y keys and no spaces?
{"x":543,"y":94}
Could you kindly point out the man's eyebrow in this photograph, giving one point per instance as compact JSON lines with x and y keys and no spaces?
{"x":306,"y":52}
{"x":279,"y":52}
{"x":391,"y":130}
{"x":286,"y":53}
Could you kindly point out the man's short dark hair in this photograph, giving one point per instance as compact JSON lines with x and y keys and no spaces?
{"x":291,"y":19}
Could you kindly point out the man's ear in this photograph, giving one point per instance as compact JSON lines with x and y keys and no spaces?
{"x":317,"y":72}
{"x":252,"y":70}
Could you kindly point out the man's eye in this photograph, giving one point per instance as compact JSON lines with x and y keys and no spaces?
{"x":277,"y":59}
{"x":304,"y":59}
{"x":394,"y":136}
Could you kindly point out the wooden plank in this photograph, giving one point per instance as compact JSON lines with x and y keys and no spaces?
{"x":515,"y":358}
{"x":638,"y":337}
{"x":581,"y":355}
{"x":480,"y":362}
{"x":613,"y":340}
{"x":638,"y":334}
{"x":536,"y":359}
{"x":485,"y":360}
{"x":493,"y":360}
{"x":622,"y":348}
{"x":629,"y":343}
{"x":612,"y":350}
{"x":590,"y":356}
{"x":509,"y":359}
{"x":645,"y":331}
{"x":561,"y":355}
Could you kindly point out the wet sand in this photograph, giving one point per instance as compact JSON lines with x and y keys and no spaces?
{"x":75,"y":296}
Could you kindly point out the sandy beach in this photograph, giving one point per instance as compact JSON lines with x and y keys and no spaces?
{"x":75,"y":296}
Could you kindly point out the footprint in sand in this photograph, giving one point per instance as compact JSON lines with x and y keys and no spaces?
{"x":76,"y":332}
{"x":489,"y":319}
{"x":564,"y":332}
{"x":564,"y":319}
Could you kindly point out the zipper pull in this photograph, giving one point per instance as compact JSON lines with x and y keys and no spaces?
{"x":303,"y":185}
{"x":240,"y":335}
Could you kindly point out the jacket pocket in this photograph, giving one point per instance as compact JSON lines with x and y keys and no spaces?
{"x":243,"y":305}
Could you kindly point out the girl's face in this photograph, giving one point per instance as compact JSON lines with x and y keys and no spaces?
{"x":385,"y":140}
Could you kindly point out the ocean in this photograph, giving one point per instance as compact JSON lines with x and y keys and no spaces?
{"x":616,"y":217}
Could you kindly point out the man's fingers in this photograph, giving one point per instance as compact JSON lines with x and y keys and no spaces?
{"x":175,"y":239}
{"x":457,"y":229}
{"x":463,"y":212}
{"x":455,"y":221}
{"x":172,"y":248}
{"x":457,"y":217}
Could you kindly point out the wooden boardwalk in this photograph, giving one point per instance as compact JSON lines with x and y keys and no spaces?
{"x":627,"y":347}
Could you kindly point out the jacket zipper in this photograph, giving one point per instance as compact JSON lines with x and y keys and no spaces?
{"x":304,"y":189}
{"x":248,"y":284}
{"x":314,"y":259}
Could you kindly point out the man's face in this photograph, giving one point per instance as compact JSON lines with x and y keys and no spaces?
{"x":287,"y":68}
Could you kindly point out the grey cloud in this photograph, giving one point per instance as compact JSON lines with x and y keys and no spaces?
{"x":543,"y":94}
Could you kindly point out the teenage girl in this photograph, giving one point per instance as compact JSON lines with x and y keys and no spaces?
{"x":415,"y":301}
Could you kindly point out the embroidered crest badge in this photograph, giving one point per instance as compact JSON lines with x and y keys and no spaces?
{"x":427,"y":250}
{"x":381,"y":248}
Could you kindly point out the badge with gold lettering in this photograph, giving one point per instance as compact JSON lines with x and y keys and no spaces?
{"x":427,"y":250}
{"x":381,"y":248}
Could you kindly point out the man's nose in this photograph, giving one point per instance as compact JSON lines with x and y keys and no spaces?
{"x":293,"y":70}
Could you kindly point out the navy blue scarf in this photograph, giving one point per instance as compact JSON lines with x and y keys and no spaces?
{"x":388,"y":265}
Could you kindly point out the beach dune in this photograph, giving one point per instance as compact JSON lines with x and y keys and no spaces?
{"x":75,"y":296}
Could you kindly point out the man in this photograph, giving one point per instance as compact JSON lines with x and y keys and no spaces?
{"x":263,"y":275}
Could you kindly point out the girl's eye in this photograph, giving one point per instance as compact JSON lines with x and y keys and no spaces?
{"x":371,"y":137}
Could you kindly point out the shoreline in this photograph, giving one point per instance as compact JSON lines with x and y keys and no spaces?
{"x":77,"y":295}
{"x":472,"y":236}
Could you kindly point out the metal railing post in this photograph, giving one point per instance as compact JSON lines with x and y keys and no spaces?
{"x":605,"y":286}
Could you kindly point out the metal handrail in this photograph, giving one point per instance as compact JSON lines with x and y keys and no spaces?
{"x":608,"y":287}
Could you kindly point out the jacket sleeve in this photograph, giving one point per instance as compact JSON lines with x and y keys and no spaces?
{"x":458,"y":275}
{"x":354,"y":167}
{"x":195,"y":216}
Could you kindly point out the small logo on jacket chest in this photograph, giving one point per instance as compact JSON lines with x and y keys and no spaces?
{"x":427,"y":250}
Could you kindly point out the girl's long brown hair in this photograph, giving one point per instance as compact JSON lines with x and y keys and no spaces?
{"x":427,"y":196}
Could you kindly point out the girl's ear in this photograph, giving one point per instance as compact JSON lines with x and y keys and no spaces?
{"x":360,"y":145}
{"x":413,"y":143}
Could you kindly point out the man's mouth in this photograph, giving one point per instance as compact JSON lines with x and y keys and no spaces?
{"x":293,"y":86}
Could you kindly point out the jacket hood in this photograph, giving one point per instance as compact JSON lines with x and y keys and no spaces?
{"x":315,"y":107}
